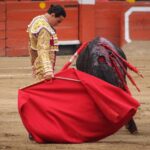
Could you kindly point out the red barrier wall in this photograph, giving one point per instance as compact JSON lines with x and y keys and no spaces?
{"x":19,"y":15}
{"x":138,"y":22}
{"x":2,"y":28}
{"x":86,"y":22}
{"x":108,"y":20}
{"x":83,"y":23}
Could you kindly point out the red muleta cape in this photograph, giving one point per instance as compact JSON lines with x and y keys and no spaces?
{"x":84,"y":109}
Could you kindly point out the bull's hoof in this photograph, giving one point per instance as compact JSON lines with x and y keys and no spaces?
{"x":131,"y":126}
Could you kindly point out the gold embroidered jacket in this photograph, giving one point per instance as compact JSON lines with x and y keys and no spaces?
{"x":43,"y":43}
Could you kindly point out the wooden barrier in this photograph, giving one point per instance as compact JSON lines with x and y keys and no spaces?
{"x":120,"y":22}
{"x":135,"y":22}
{"x":107,"y":18}
{"x":19,"y":15}
{"x":86,"y":22}
{"x":2,"y":28}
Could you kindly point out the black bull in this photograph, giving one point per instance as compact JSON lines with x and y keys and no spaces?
{"x":96,"y":59}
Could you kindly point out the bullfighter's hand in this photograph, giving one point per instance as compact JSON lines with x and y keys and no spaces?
{"x":49,"y":75}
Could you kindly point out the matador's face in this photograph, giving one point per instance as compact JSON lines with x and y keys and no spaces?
{"x":54,"y":21}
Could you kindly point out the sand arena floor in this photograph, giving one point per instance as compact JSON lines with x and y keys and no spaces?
{"x":16,"y":73}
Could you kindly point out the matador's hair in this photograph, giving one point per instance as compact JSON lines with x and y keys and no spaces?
{"x":58,"y":10}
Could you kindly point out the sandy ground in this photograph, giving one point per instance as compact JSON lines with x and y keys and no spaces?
{"x":16,"y":73}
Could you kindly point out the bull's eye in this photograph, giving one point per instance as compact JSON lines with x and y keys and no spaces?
{"x":101,"y":59}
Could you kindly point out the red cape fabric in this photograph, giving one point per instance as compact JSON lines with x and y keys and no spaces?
{"x":67,"y":111}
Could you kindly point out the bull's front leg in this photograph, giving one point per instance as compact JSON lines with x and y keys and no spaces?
{"x":131,"y":126}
